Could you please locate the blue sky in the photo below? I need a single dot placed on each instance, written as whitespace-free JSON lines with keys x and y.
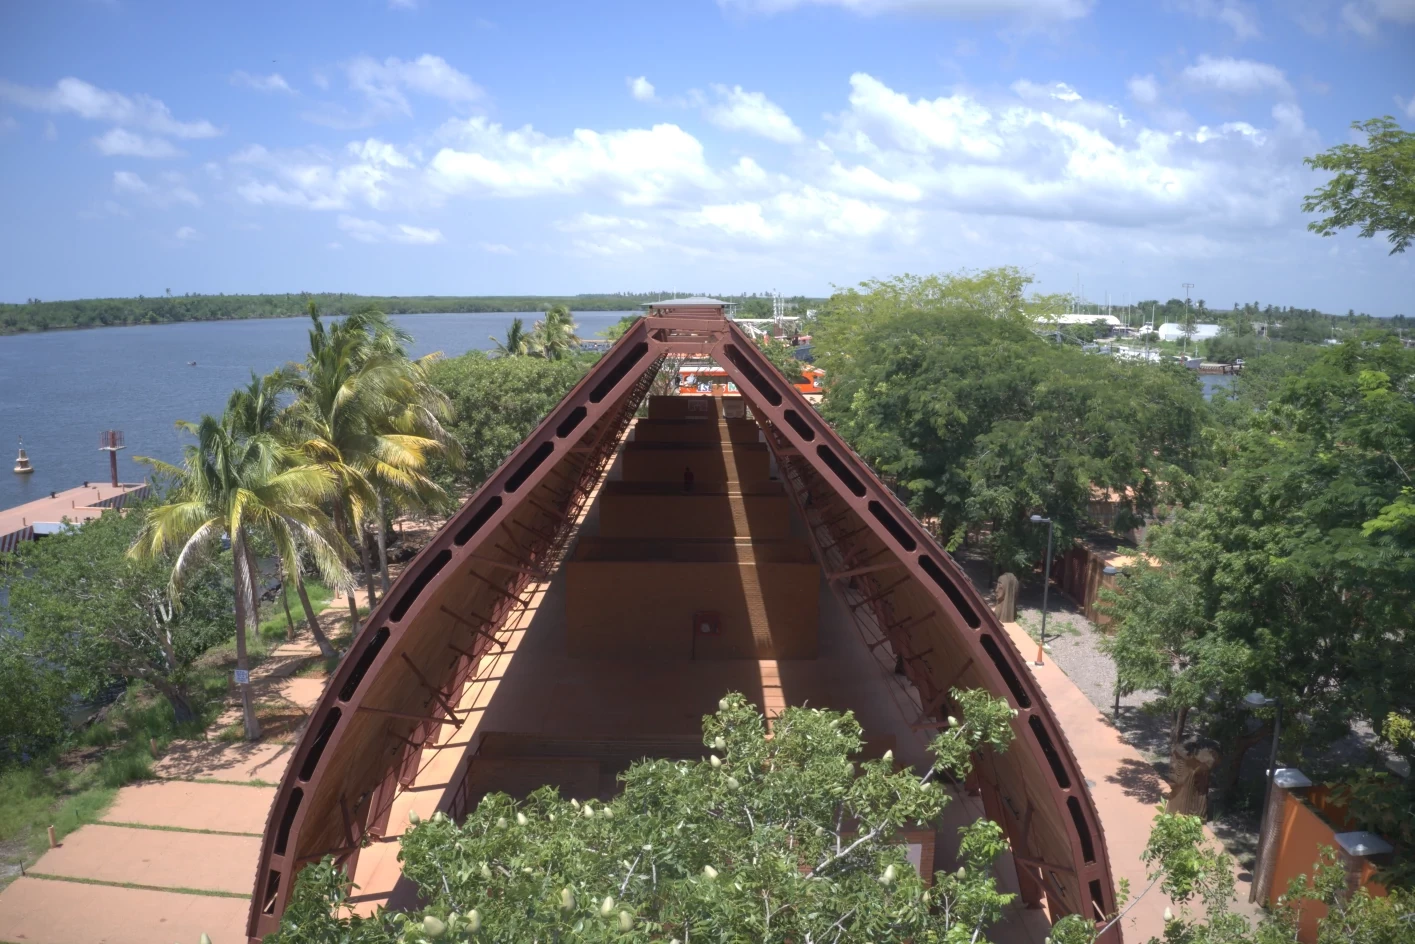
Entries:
{"x":431,"y":146}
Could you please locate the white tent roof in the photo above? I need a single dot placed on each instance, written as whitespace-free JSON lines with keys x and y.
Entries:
{"x":1108,"y":320}
{"x":1170,"y":331}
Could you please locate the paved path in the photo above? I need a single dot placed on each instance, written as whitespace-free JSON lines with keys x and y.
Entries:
{"x":173,"y":858}
{"x":1125,"y":787}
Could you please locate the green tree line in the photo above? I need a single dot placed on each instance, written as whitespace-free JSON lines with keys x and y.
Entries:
{"x":36,"y":315}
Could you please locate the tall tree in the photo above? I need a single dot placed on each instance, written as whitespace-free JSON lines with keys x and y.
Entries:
{"x":553,"y":337}
{"x":517,"y":342}
{"x":496,"y":403}
{"x":369,"y":417}
{"x":257,"y":410}
{"x":229,"y":485}
{"x":1296,"y":564}
{"x":943,"y":384}
{"x":1373,"y":186}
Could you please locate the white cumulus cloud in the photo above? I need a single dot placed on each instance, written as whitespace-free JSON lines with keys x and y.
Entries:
{"x":1143,"y":89}
{"x":1235,"y":76}
{"x":168,"y":190}
{"x":311,"y":179}
{"x":642,"y":89}
{"x":372,"y":231}
{"x":1025,"y":9}
{"x":77,"y":97}
{"x":384,"y":83}
{"x":752,"y":112}
{"x":275,"y":82}
{"x":636,"y":166}
{"x":1238,"y":16}
{"x":119,"y":142}
{"x":1365,"y":16}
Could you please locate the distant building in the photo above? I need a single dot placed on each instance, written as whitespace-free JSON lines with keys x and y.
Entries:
{"x":1169,"y":331}
{"x":1104,"y":324}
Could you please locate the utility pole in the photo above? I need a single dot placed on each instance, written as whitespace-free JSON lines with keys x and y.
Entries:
{"x":1184,"y":349}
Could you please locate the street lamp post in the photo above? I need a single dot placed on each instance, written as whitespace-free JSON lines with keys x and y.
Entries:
{"x":1046,"y":585}
{"x":1254,"y":701}
{"x":1111,"y":570}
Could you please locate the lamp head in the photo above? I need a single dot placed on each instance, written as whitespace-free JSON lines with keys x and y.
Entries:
{"x":1038,"y":519}
{"x":1258,"y":700}
{"x":1110,"y":570}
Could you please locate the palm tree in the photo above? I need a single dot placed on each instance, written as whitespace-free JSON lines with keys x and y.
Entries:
{"x":367,"y":415}
{"x":518,"y":343}
{"x":553,"y":337}
{"x":229,"y":485}
{"x":256,"y":410}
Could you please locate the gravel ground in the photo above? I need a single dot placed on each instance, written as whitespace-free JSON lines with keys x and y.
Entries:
{"x":1073,"y":642}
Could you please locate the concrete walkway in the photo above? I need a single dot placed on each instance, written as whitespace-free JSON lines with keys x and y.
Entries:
{"x":172,"y":858}
{"x":1126,"y":790}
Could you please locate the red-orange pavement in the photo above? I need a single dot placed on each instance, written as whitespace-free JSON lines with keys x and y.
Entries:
{"x":39,"y":911}
{"x":236,"y":762}
{"x":162,"y":858}
{"x":205,"y":786}
{"x":1125,"y":787}
{"x":221,"y":807}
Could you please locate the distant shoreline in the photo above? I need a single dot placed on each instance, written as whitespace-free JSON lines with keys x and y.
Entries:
{"x":79,"y":314}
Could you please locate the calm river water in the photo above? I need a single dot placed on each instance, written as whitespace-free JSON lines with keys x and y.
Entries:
{"x":60,"y":389}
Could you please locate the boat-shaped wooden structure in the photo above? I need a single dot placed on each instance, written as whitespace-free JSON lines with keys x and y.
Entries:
{"x":731,"y":465}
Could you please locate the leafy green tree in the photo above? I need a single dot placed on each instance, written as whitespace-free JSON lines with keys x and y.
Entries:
{"x":496,"y":402}
{"x":257,"y":410}
{"x":780,"y":839}
{"x":36,"y":694}
{"x":780,"y":354}
{"x":369,"y":418}
{"x":1373,"y":186}
{"x":1296,"y":568}
{"x":84,"y":609}
{"x":553,"y":337}
{"x":1160,"y":641}
{"x":616,"y":331}
{"x":517,"y":343}
{"x":770,"y":839}
{"x":943,"y":384}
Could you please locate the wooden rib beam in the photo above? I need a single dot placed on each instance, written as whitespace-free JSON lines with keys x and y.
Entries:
{"x":495,"y":586}
{"x":872,"y":568}
{"x":882,"y":593}
{"x":1043,"y":865}
{"x":515,"y":568}
{"x":525,"y":527}
{"x":454,"y":721}
{"x":434,"y":691}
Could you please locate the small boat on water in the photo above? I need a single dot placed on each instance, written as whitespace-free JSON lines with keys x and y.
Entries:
{"x":191,"y":363}
{"x":22,"y":465}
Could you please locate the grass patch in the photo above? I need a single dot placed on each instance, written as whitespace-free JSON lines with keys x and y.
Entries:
{"x":75,"y":784}
{"x":233,"y":783}
{"x":275,"y":629}
{"x":1056,"y":628}
{"x":176,"y":829}
{"x":207,"y":892}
